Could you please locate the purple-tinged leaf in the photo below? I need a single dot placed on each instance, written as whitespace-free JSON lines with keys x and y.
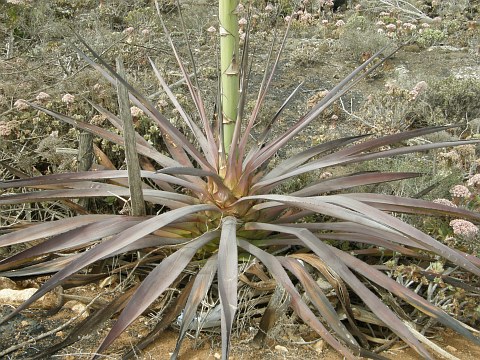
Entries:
{"x":49,"y":228}
{"x":353,"y":180}
{"x":202,"y":284}
{"x":79,"y":236}
{"x":227,"y":279}
{"x":172,"y":136}
{"x":406,"y":294}
{"x":270,"y":149}
{"x":166,"y":198}
{"x":196,"y":131}
{"x":302,"y":310}
{"x":196,"y":96}
{"x":110,"y":246}
{"x":408,"y":230}
{"x":154,"y":285}
{"x":318,"y":299}
{"x":65,"y":178}
{"x":107,"y":135}
{"x":328,"y":256}
{"x":415,"y":206}
{"x":306,"y":155}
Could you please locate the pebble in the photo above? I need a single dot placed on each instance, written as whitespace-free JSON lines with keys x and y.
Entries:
{"x":6,"y":283}
{"x":319,"y":346}
{"x":217,"y":355}
{"x":15,"y":297}
{"x":450,"y":348}
{"x":281,"y":348}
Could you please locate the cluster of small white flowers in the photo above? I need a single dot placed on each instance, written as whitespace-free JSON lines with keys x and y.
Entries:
{"x":145,"y":32}
{"x":269,"y":7}
{"x":212,"y":29}
{"x":451,"y":155}
{"x":418,"y":89}
{"x":42,"y":96}
{"x":444,"y":202}
{"x":391,"y":27}
{"x":21,"y":105}
{"x":326,"y":3}
{"x":98,"y":119}
{"x":128,"y":30}
{"x":474,"y":180}
{"x":460,"y":191}
{"x":136,"y":112}
{"x":305,"y":17}
{"x":409,"y":26}
{"x":68,"y":99}
{"x":464,"y":228}
{"x":340,"y":23}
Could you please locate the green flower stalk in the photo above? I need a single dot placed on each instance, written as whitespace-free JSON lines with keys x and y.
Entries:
{"x":229,"y":58}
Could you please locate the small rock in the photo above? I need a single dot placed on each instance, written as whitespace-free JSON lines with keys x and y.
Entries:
{"x":15,"y":297}
{"x":24,"y":323}
{"x":6,"y":283}
{"x":450,"y":348}
{"x":217,"y":355}
{"x":60,"y":334}
{"x":108,"y":281}
{"x":77,"y":307}
{"x":319,"y":346}
{"x":281,"y":348}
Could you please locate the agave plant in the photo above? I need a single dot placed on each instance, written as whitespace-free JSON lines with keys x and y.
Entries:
{"x":221,"y":208}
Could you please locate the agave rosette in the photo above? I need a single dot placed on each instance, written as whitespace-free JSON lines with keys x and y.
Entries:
{"x":221,"y":207}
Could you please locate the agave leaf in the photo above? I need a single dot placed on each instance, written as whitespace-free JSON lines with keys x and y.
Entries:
{"x":410,"y":149}
{"x":170,"y":314}
{"x":270,"y":149}
{"x":414,"y":234}
{"x":358,"y":229}
{"x":227,"y":280}
{"x":108,"y":247}
{"x":11,"y":268}
{"x":176,"y":140}
{"x":370,"y":240}
{"x":405,"y":294}
{"x":40,"y":268}
{"x":154,"y":285}
{"x":340,"y":289}
{"x":202,"y":284}
{"x":297,"y":303}
{"x":318,"y":298}
{"x":209,"y":150}
{"x":261,"y":96}
{"x":65,"y":178}
{"x":408,"y":205}
{"x":115,"y":121}
{"x":352,"y":210}
{"x":352,"y":180}
{"x":269,"y":125}
{"x":337,"y":159}
{"x":319,"y":205}
{"x":391,"y":139}
{"x":76,"y":237}
{"x":196,"y":96}
{"x":107,"y":135}
{"x":303,"y":156}
{"x":172,"y":200}
{"x":326,"y":254}
{"x":49,"y":228}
